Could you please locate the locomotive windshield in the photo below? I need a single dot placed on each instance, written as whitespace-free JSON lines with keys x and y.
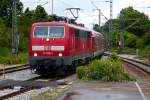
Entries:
{"x":41,"y":31}
{"x":49,"y":31}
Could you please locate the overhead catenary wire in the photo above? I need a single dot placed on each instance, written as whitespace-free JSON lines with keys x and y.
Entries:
{"x":67,"y":4}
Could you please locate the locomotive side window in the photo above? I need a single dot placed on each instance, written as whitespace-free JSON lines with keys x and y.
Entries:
{"x":77,"y":33}
{"x":56,"y":31}
{"x":89,"y":34}
{"x":82,"y":34}
{"x":41,"y":31}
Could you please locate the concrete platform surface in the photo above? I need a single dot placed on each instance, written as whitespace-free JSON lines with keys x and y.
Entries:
{"x":85,"y":94}
{"x":98,"y":92}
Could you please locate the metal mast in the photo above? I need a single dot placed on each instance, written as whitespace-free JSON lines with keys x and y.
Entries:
{"x":110,"y":23}
{"x":99,"y":17}
{"x":111,"y":15}
{"x":99,"y":10}
{"x":15,"y":35}
{"x":52,"y":7}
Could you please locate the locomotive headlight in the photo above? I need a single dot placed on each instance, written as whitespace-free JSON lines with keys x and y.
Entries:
{"x":60,"y":54}
{"x":35,"y":54}
{"x":47,"y":39}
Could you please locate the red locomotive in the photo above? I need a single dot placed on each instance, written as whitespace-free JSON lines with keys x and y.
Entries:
{"x":60,"y":46}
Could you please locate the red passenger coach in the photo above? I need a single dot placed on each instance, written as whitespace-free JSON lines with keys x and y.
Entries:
{"x":58,"y":46}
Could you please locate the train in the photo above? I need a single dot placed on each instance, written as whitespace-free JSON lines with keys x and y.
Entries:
{"x":57,"y":47}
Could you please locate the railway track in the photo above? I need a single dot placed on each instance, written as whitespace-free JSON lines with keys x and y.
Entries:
{"x":145,"y":67}
{"x":17,"y":92}
{"x":16,"y":88}
{"x":138,"y":64}
{"x":13,"y":69}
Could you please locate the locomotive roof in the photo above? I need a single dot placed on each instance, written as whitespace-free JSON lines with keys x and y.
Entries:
{"x":94,"y":33}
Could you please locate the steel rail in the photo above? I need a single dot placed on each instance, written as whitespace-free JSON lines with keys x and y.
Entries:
{"x":22,"y":90}
{"x":135,"y":63}
{"x":13,"y":69}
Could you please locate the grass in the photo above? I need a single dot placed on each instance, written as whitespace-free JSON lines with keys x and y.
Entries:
{"x":108,"y":70}
{"x":142,"y":57}
{"x":51,"y":94}
{"x":11,"y":59}
{"x":7,"y":58}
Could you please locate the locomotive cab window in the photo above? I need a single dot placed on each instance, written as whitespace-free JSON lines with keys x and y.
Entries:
{"x":49,"y":31}
{"x":41,"y":31}
{"x":56,"y":31}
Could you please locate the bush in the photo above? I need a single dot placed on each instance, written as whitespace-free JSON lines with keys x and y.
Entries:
{"x":4,"y":51}
{"x":82,"y":72}
{"x":104,"y":70}
{"x":114,"y":57}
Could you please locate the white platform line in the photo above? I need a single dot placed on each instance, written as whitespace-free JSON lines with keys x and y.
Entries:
{"x":140,"y":90}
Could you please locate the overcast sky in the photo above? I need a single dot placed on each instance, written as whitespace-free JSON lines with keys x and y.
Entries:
{"x":87,"y":15}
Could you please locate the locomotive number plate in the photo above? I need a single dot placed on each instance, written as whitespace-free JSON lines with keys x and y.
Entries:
{"x":47,"y":47}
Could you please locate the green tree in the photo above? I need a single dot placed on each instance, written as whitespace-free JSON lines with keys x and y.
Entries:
{"x":134,"y":21}
{"x":6,"y":10}
{"x":146,"y":39}
{"x":140,"y":43}
{"x":130,"y":39}
{"x":134,"y":24}
{"x":4,"y":35}
{"x":96,"y":28}
{"x":40,"y":14}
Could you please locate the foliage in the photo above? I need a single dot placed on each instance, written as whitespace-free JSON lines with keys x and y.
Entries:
{"x":129,"y":16}
{"x":4,"y":51}
{"x":129,"y":50}
{"x":96,"y":27}
{"x":146,"y":38}
{"x":6,"y":10}
{"x":114,"y":57}
{"x":4,"y":35}
{"x":115,"y":38}
{"x":146,"y":51}
{"x":104,"y":70}
{"x":10,"y":59}
{"x":135,"y":27}
{"x":82,"y":72}
{"x":139,"y":43}
{"x":40,"y":14}
{"x":130,"y":39}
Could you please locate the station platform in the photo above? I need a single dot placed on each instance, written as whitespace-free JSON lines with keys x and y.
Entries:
{"x":107,"y":91}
